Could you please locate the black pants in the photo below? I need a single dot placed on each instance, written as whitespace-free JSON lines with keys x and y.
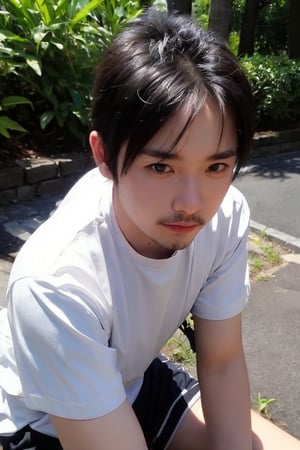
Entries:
{"x":29,"y":439}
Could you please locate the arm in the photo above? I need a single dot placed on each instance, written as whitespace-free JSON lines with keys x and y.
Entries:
{"x":223,"y":381}
{"x":116,"y":430}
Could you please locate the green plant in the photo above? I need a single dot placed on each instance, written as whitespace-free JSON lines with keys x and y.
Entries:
{"x":262,"y":260}
{"x":201,"y":11}
{"x":179,"y":351}
{"x":255,"y":263}
{"x":48,"y":53}
{"x":272,"y":27}
{"x":42,"y":47}
{"x":6,"y":123}
{"x":276,"y":85}
{"x":263,"y":404}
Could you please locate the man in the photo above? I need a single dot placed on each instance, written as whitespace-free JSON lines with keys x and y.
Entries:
{"x":155,"y":232}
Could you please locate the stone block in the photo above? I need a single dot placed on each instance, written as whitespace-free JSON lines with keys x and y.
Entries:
{"x":8,"y":196}
{"x":290,"y":146}
{"x":51,"y":187}
{"x":26,"y":192}
{"x":11,"y":177}
{"x":70,"y":164}
{"x":39,"y":170}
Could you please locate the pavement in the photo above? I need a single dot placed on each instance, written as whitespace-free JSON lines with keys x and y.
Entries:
{"x":271,"y":319}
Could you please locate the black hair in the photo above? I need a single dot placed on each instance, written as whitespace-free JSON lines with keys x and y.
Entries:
{"x":157,"y":65}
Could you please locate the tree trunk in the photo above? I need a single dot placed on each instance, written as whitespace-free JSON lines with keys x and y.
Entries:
{"x":294,"y":29}
{"x":181,"y":6}
{"x":220,"y":17}
{"x":247,"y":36}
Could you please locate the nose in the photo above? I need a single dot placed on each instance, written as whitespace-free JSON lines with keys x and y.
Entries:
{"x":188,"y":198}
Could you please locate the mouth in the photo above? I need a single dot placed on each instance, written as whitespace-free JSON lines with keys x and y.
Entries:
{"x":181,"y":228}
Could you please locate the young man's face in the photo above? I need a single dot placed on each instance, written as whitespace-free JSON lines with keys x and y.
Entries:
{"x":166,"y":198}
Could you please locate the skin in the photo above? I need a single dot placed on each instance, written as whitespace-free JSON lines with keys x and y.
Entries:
{"x":182,"y":189}
{"x":161,"y":203}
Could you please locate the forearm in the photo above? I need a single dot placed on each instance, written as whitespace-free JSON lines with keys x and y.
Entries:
{"x":118,"y":429}
{"x":226,"y":406}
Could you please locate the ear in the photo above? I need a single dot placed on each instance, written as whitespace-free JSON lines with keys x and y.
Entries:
{"x":96,"y":144}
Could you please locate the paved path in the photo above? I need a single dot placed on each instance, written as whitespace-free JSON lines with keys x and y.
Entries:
{"x":272,"y":186}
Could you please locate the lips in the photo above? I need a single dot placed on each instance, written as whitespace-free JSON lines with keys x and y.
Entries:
{"x":181,"y":227}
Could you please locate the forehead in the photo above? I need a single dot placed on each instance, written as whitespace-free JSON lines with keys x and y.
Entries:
{"x":209,"y":129}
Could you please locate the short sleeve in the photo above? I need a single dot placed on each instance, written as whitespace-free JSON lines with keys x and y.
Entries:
{"x":65,"y":364}
{"x":227,"y":287}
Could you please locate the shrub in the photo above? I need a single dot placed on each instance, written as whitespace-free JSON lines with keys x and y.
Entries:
{"x":6,"y":123}
{"x":48,"y":53}
{"x":276,"y":85}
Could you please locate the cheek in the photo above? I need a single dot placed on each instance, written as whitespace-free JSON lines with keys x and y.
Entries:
{"x":140,"y":196}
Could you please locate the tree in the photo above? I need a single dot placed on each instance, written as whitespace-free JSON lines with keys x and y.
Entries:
{"x":247,"y":36}
{"x":294,"y":29}
{"x":181,"y":6}
{"x":220,"y":17}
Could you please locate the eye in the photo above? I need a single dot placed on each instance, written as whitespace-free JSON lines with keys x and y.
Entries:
{"x":160,"y":168}
{"x":217,"y":167}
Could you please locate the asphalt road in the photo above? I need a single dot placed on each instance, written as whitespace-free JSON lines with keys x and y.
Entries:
{"x":271,"y":186}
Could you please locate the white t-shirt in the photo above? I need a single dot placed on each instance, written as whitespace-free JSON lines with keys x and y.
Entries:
{"x":88,"y":314}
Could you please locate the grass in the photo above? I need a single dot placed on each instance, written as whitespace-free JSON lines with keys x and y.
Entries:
{"x":263,"y":404}
{"x":265,"y":258}
{"x":179,"y":351}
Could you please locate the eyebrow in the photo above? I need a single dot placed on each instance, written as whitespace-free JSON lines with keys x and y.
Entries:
{"x":168,"y":155}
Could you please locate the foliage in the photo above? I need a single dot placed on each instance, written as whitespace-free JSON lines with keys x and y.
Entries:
{"x":276,"y":86}
{"x":48,"y":53}
{"x":272,"y":28}
{"x":6,"y":123}
{"x":263,"y":404}
{"x":201,"y":11}
{"x":179,"y":351}
{"x":237,"y":14}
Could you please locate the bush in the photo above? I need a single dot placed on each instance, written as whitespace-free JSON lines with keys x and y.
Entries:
{"x":48,"y":54}
{"x":271,"y":34}
{"x":276,"y":85}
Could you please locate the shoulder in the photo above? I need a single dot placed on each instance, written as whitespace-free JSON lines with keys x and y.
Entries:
{"x":233,"y":215}
{"x":226,"y":230}
{"x":79,"y":212}
{"x":234,"y":201}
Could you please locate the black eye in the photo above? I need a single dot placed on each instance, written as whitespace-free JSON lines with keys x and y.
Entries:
{"x":160,"y":168}
{"x":217,"y":167}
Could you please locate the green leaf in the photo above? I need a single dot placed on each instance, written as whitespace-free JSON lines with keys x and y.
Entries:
{"x":8,"y":35}
{"x":35,"y":65}
{"x":46,"y":10}
{"x":4,"y":131}
{"x":62,"y":8}
{"x":14,"y":100}
{"x":76,"y":97}
{"x":39,"y":35}
{"x":10,"y":124}
{"x":93,"y":4}
{"x":46,"y":118}
{"x":58,"y":45}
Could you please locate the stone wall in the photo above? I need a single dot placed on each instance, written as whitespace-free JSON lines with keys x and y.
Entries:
{"x":276,"y":142}
{"x":41,"y":177}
